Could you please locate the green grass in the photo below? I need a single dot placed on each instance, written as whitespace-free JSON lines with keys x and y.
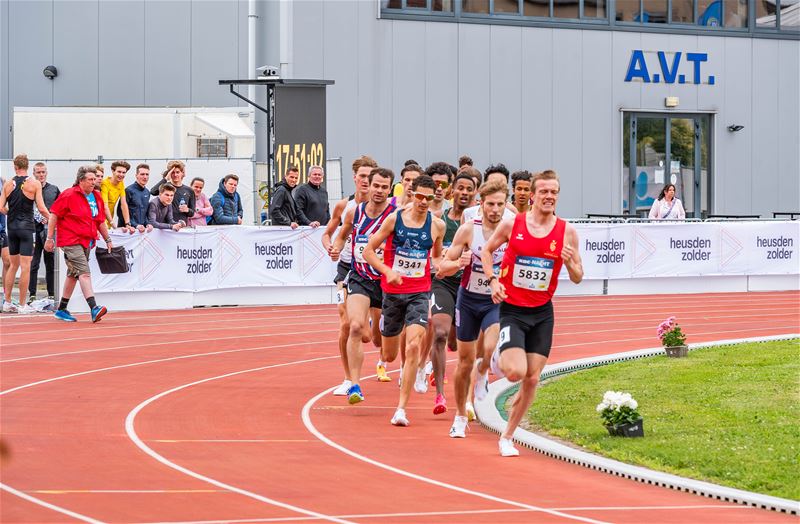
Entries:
{"x":728,"y":415}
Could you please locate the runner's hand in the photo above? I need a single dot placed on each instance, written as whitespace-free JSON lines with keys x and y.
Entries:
{"x":465,"y":259}
{"x":498,"y":291}
{"x":334,"y":254}
{"x":567,"y":253}
{"x":394,"y":278}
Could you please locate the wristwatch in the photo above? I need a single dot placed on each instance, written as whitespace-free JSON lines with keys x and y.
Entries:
{"x":107,"y":240}
{"x":493,"y":277}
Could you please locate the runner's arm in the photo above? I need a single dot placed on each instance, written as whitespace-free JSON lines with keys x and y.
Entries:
{"x":3,"y":198}
{"x":438,"y":237}
{"x":40,"y":201}
{"x":571,"y":255}
{"x":498,"y":238}
{"x":344,"y":231}
{"x":333,"y":223}
{"x":453,"y":259}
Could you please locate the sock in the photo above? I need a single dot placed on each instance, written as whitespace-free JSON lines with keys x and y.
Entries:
{"x":62,"y":306}
{"x":381,"y":363}
{"x":91,"y":302}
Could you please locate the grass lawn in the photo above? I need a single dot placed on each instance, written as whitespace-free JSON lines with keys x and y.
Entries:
{"x":728,"y":415}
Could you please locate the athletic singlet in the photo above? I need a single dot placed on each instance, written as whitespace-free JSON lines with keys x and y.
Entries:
{"x":346,"y":255}
{"x":364,"y":227}
{"x":531,"y":264}
{"x":20,"y":207}
{"x":474,"y":279}
{"x":451,"y":226}
{"x":408,"y":253}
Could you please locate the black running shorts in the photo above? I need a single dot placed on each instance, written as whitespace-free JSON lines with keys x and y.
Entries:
{"x":443,"y":298}
{"x":21,"y":242}
{"x":402,"y":310}
{"x":358,"y":285}
{"x":529,"y":328}
{"x":342,"y":268}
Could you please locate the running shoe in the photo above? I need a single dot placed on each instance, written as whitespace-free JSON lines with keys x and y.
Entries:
{"x":27,"y":309}
{"x":381,"y":372}
{"x":421,"y":384}
{"x":494,"y":364}
{"x":507,"y":448}
{"x":470,"y":412}
{"x":399,"y":418}
{"x":481,"y":386}
{"x":354,"y":394}
{"x":341,"y":391}
{"x":9,"y":307}
{"x":459,"y":427}
{"x":63,"y":314}
{"x":98,"y":312}
{"x":31,"y":299}
{"x":440,"y":406}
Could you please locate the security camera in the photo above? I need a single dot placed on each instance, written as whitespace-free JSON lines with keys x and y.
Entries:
{"x":267,"y":71}
{"x":50,"y":72}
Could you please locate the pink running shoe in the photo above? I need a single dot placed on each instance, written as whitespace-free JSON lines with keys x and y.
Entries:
{"x":440,"y":406}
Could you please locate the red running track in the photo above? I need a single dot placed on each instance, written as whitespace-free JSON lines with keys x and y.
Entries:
{"x":222,"y":415}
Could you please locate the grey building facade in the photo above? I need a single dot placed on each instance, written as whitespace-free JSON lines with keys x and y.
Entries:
{"x":429,"y":81}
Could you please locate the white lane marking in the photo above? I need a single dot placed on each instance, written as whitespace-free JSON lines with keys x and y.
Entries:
{"x":47,"y":505}
{"x":122,"y":366}
{"x":164,"y":343}
{"x":116,"y":332}
{"x":306,"y":417}
{"x":181,"y":441}
{"x":114,"y":491}
{"x":130,"y":429}
{"x":454,"y":512}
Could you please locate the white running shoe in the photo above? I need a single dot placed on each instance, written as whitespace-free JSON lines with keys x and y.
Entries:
{"x":399,"y":418}
{"x":507,"y":448}
{"x":9,"y":307}
{"x":27,"y":309}
{"x":421,"y":384}
{"x":470,"y":412}
{"x":459,"y":427}
{"x":494,"y":364}
{"x":341,"y":391}
{"x":429,"y":368}
{"x":482,"y":386}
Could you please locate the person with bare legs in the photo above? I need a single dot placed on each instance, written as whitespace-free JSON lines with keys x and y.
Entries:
{"x":411,"y":235}
{"x":362,"y":167}
{"x":538,"y":245}
{"x":77,"y":216}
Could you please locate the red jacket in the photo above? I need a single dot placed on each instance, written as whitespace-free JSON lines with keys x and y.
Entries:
{"x":75,"y":224}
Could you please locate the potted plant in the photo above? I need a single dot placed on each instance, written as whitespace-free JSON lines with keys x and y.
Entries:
{"x":672,"y":338}
{"x":620,"y":416}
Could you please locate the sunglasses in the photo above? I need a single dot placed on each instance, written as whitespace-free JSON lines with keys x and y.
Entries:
{"x":444,"y":184}
{"x":421,"y":196}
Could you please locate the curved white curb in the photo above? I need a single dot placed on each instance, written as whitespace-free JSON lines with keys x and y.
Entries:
{"x":490,"y":417}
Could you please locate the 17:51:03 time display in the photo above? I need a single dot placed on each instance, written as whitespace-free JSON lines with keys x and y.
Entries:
{"x":301,"y":155}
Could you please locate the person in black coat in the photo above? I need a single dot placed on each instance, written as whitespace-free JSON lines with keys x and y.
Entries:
{"x":311,"y":200}
{"x":282,"y":210}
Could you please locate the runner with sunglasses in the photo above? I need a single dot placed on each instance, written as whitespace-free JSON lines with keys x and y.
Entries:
{"x":412,"y":236}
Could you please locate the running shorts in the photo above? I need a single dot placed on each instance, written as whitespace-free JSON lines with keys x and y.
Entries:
{"x":342,"y":269}
{"x":529,"y":328}
{"x":21,"y":242}
{"x":358,"y":285}
{"x":443,"y":298}
{"x":474,"y":313}
{"x":405,"y":309}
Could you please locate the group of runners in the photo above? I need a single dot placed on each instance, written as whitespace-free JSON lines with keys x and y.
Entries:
{"x":417,"y":270}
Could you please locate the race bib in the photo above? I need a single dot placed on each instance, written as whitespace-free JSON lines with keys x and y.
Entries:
{"x":478,"y":283}
{"x":533,"y":273}
{"x":348,"y":244}
{"x":410,"y":262}
{"x":360,"y":245}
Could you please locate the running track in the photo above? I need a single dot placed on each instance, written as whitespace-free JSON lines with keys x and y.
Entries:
{"x":222,"y":415}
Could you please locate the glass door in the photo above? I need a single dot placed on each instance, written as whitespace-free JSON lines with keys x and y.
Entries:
{"x":662,"y":149}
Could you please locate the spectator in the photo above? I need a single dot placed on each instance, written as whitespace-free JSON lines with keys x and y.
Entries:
{"x":22,"y":194}
{"x":160,"y":210}
{"x":184,"y":201}
{"x":226,"y":202}
{"x":667,"y":206}
{"x":282,"y":210}
{"x":98,"y":179}
{"x":50,"y":193}
{"x":202,"y":206}
{"x":112,"y":190}
{"x":311,"y":200}
{"x":78,"y":215}
{"x":138,"y":197}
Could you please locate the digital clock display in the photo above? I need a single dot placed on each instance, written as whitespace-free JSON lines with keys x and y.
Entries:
{"x":299,"y":129}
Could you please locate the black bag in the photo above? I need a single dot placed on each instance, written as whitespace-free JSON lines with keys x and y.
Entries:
{"x":114,"y":262}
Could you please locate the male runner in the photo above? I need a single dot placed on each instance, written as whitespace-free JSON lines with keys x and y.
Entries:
{"x":411,"y":236}
{"x":409,"y":173}
{"x":21,"y":193}
{"x":476,"y":313}
{"x":539,"y":243}
{"x":361,"y":169}
{"x":521,"y":185}
{"x":364,"y":295}
{"x":445,"y":289}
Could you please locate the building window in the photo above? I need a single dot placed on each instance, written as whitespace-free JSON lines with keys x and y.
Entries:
{"x":212,"y":147}
{"x":689,"y":16}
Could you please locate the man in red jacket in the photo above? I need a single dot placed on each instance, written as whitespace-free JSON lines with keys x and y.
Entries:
{"x":78,"y":214}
